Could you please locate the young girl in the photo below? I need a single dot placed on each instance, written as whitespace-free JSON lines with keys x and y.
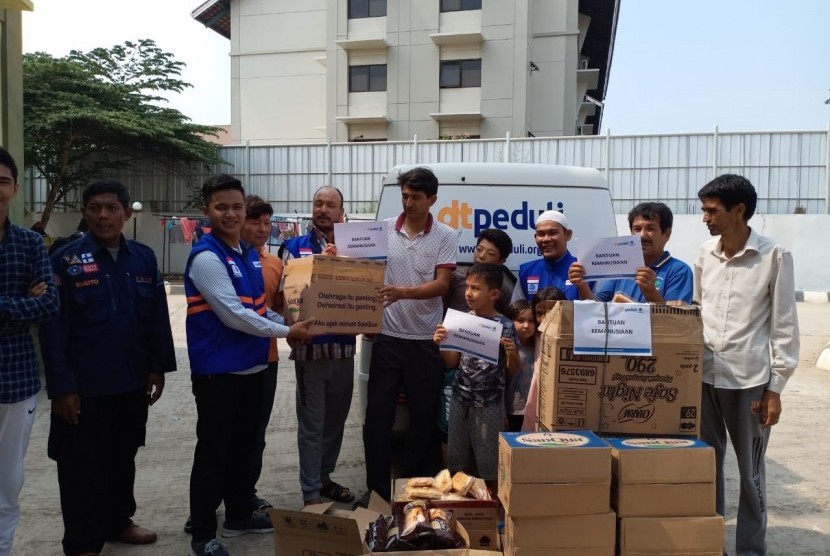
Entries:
{"x":518,"y":385}
{"x":543,"y":301}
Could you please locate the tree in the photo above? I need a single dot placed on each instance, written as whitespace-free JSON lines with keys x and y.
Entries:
{"x":93,"y":112}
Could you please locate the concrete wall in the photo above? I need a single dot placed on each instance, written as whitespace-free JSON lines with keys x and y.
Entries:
{"x":803,"y":234}
{"x":11,"y":99}
{"x":278,"y":72}
{"x":289,"y":78}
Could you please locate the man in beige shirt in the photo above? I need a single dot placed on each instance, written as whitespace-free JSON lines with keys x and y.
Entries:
{"x":745,"y":286}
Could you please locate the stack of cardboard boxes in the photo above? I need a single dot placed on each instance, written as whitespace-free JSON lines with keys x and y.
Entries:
{"x":663,"y":491}
{"x":555,"y":489}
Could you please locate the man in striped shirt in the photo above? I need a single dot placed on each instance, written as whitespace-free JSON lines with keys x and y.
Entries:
{"x":422,"y":255}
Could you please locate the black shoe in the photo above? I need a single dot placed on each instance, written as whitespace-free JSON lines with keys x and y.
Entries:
{"x":363,"y":501}
{"x":258,"y":522}
{"x":262,"y":504}
{"x":213,"y":547}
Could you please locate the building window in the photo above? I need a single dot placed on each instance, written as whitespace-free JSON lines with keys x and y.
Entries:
{"x":363,"y":79}
{"x":460,"y":5}
{"x":460,"y":73}
{"x":367,"y":8}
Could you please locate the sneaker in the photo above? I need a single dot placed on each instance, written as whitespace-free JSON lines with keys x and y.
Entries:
{"x":262,"y":504}
{"x":213,"y":547}
{"x":259,"y":522}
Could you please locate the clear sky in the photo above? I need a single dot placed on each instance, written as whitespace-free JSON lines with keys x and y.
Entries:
{"x":679,"y":65}
{"x":58,"y":26}
{"x":743,"y":65}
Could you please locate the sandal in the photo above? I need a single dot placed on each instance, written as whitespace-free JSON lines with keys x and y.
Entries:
{"x":336,"y":492}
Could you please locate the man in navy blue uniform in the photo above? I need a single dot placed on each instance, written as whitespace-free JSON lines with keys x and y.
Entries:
{"x":663,"y":278}
{"x":553,"y":232}
{"x":105,"y":356}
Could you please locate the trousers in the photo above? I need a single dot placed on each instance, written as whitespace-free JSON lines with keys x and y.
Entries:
{"x":730,"y":411}
{"x":324,"y":395}
{"x":96,"y":468}
{"x":16,"y":421}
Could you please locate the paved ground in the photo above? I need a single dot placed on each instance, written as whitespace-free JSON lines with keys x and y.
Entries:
{"x":799,"y":494}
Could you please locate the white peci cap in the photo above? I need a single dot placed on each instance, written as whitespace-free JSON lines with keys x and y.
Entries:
{"x":554,"y":216}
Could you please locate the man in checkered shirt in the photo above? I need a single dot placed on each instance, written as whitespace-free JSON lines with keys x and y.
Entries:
{"x":422,"y":255}
{"x":27,"y":296}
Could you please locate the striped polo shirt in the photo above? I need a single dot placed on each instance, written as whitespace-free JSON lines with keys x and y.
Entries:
{"x":413,"y":261}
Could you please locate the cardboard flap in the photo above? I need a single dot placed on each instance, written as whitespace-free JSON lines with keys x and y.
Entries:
{"x":308,"y":524}
{"x":318,"y":508}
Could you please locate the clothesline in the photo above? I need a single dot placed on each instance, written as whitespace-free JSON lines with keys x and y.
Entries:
{"x":183,"y":229}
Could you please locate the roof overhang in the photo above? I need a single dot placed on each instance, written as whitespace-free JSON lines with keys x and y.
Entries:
{"x":215,"y":15}
{"x":456,"y":116}
{"x":17,"y":5}
{"x":367,"y":119}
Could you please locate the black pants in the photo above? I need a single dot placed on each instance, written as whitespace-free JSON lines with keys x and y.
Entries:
{"x":269,"y":391}
{"x":96,"y":468}
{"x":229,"y":409}
{"x":417,"y":366}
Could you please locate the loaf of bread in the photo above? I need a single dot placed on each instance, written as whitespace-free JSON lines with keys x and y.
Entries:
{"x":419,"y":482}
{"x":461,"y":483}
{"x":443,"y":481}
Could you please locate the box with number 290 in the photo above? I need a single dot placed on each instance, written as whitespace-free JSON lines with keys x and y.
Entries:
{"x":654,"y":395}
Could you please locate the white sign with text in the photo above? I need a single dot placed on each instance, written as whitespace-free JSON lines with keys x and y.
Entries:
{"x":476,"y":336}
{"x":608,"y":257}
{"x":364,"y":240}
{"x":612,"y":328}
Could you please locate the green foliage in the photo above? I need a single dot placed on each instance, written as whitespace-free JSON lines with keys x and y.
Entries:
{"x":88,"y":114}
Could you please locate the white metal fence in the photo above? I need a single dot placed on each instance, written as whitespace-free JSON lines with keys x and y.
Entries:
{"x":790,"y":170}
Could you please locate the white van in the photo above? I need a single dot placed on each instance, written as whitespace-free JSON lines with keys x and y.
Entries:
{"x":476,"y":196}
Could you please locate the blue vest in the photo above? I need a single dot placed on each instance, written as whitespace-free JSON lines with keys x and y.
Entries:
{"x":540,"y":273}
{"x":212,"y":347}
{"x":304,"y":246}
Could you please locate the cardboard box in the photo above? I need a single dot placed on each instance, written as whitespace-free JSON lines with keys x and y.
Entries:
{"x":664,"y":500}
{"x":657,"y":395}
{"x":582,"y":531}
{"x":476,"y":515}
{"x":553,"y":457}
{"x":661,"y":460}
{"x":339,"y":292}
{"x":323,"y":530}
{"x":510,"y":550}
{"x":535,"y":499}
{"x":488,"y":540}
{"x":671,"y":535}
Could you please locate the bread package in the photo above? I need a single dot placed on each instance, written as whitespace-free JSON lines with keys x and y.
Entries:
{"x":443,"y":481}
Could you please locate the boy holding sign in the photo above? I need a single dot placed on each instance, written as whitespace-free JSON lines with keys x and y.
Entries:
{"x":477,"y":406}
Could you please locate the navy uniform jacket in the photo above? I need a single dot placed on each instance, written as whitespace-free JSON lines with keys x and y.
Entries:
{"x":113,"y":328}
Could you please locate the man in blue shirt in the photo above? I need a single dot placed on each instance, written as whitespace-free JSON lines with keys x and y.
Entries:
{"x":27,"y":297}
{"x":662,"y":279}
{"x":105,"y":356}
{"x":552,"y":236}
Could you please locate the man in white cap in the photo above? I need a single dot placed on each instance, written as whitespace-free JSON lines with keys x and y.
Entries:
{"x":552,"y":236}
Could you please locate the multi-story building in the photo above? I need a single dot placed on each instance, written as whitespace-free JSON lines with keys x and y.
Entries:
{"x":353,"y":70}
